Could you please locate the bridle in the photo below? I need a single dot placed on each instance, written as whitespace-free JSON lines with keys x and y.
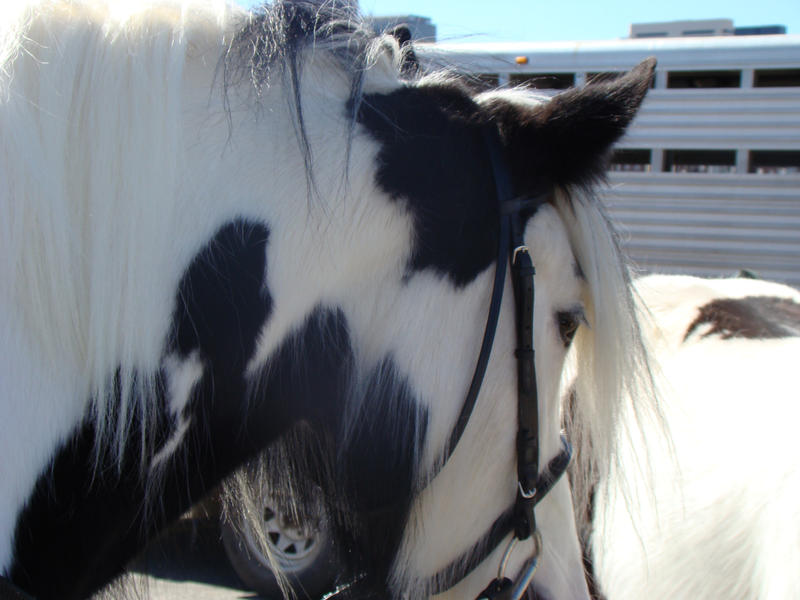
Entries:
{"x":532,"y":485}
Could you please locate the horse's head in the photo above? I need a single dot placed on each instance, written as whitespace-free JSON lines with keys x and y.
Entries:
{"x":243,"y":228}
{"x":399,"y":274}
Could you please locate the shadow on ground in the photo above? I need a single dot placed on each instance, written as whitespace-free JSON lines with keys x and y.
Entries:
{"x":190,"y":551}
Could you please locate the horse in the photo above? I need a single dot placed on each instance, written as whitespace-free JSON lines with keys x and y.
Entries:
{"x":226,"y":229}
{"x":713,"y":514}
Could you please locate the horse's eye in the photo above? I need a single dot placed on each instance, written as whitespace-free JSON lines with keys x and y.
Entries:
{"x":568,"y":323}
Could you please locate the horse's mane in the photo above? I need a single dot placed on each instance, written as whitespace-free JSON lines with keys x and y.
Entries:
{"x":88,"y":90}
{"x":276,"y":36}
{"x":608,"y":370}
{"x":86,"y":99}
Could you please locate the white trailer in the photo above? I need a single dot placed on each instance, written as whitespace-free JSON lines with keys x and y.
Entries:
{"x":707,"y":181}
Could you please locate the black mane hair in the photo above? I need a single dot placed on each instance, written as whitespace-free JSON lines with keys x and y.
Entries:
{"x":278,"y":32}
{"x":271,"y":42}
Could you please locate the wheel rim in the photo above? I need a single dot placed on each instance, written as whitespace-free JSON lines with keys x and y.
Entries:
{"x":290,"y":545}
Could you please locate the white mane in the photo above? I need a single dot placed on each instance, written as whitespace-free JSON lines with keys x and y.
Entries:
{"x":608,"y":367}
{"x":99,"y":184}
{"x":95,"y":202}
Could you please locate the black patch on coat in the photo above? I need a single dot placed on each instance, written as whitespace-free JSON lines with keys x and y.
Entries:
{"x":82,"y":527}
{"x":753,"y":317}
{"x":222,"y":302}
{"x":376,"y":471}
{"x":84,"y":522}
{"x":433,"y":160}
{"x":360,"y":455}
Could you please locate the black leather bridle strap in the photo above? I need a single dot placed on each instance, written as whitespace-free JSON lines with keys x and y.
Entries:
{"x":522,"y":272}
{"x":462,"y":565}
{"x":506,"y":209}
{"x":486,"y":347}
{"x":467,"y":562}
{"x":533,"y":486}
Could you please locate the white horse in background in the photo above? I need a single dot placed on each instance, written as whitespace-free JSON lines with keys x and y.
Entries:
{"x":220,"y":230}
{"x":714,"y":513}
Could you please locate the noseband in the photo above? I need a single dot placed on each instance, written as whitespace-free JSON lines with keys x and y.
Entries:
{"x":532,"y":485}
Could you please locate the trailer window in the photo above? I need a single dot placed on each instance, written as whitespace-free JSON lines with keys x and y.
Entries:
{"x":779,"y":162}
{"x":631,"y":159}
{"x":607,"y":76}
{"x":700,"y":161}
{"x":776,"y":78}
{"x":543,"y":81}
{"x":704,"y":79}
{"x":603,"y":77}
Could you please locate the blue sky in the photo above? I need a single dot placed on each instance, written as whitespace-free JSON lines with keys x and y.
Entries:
{"x":543,"y":20}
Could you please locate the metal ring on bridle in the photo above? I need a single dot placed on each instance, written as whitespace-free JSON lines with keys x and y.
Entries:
{"x":537,"y":549}
{"x":526,"y":494}
{"x":528,"y":569}
{"x":501,"y":571}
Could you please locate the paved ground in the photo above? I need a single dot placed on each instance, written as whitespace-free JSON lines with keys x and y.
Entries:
{"x":187,"y":564}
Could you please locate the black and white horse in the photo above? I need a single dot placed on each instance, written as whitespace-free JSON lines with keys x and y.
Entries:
{"x":223,"y":229}
{"x":713,"y":514}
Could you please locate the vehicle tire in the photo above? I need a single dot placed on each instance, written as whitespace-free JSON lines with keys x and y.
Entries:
{"x":305,"y":556}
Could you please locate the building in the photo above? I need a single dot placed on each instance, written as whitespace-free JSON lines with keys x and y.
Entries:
{"x":700,"y":28}
{"x":705,"y":28}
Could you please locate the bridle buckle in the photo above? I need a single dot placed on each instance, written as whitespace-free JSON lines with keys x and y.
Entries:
{"x":519,"y":250}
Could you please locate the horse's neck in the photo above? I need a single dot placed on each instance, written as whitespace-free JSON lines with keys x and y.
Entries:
{"x":89,"y":133}
{"x":138,"y":163}
{"x":96,"y":186}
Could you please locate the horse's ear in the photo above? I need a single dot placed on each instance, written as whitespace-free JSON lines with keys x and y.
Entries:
{"x":567,"y":140}
{"x":409,"y":63}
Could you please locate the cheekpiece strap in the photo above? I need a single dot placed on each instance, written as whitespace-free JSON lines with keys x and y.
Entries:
{"x":513,"y":214}
{"x":522,"y":273}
